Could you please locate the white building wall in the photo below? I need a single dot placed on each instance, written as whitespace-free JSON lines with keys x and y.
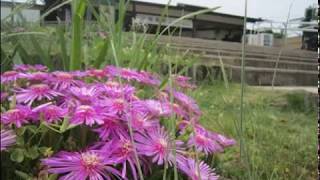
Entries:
{"x":30,"y":15}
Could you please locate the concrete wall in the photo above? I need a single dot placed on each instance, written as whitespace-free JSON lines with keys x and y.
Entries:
{"x":294,"y":42}
{"x":31,"y":15}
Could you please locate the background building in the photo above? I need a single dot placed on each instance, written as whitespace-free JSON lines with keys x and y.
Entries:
{"x":212,"y":25}
{"x":29,"y":12}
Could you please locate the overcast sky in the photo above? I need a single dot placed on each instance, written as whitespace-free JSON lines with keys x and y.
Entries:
{"x":267,"y":9}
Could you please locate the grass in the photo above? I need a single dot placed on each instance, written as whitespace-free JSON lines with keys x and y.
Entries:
{"x":280,"y":140}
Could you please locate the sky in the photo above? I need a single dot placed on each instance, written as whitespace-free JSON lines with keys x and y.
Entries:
{"x":266,"y":9}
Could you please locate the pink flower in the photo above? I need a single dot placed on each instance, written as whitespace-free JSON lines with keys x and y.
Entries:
{"x":10,"y":76}
{"x":8,"y":138}
{"x":187,"y":102}
{"x":190,"y":168}
{"x":21,"y":67}
{"x":85,"y":95}
{"x":97,"y":73}
{"x":112,"y":71}
{"x":50,"y":113}
{"x":63,"y":80}
{"x":27,"y":67}
{"x":224,"y":141}
{"x":18,"y":116}
{"x":140,"y":121}
{"x":111,"y":128}
{"x":36,"y":92}
{"x":203,"y":142}
{"x":117,"y":106}
{"x":129,"y":74}
{"x":155,"y":143}
{"x":79,"y":74}
{"x":40,"y":67}
{"x":149,"y":79}
{"x":37,"y":76}
{"x":122,"y":150}
{"x":87,"y":115}
{"x":115,"y":90}
{"x":153,"y":108}
{"x":92,"y":165}
{"x":183,"y":82}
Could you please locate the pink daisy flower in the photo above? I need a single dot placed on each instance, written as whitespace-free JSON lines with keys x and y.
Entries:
{"x":18,"y":116}
{"x":155,"y":143}
{"x":149,"y":79}
{"x":115,"y":90}
{"x":187,"y":102}
{"x":203,"y":142}
{"x":122,"y":150}
{"x":189,"y":167}
{"x":87,"y":115}
{"x":129,"y":74}
{"x":97,"y":73}
{"x":63,"y":80}
{"x":92,"y":165}
{"x":50,"y":113}
{"x":183,"y":82}
{"x":85,"y":95}
{"x":112,"y":127}
{"x":152,"y":107}
{"x":224,"y":141}
{"x":39,"y":67}
{"x":10,"y":76}
{"x":37,"y":76}
{"x":112,"y":71}
{"x":140,"y":121}
{"x":8,"y":138}
{"x":36,"y":92}
{"x":21,"y":67}
{"x":79,"y":74}
{"x":117,"y":106}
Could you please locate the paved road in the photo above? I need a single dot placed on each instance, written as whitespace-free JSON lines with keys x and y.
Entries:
{"x":310,"y":89}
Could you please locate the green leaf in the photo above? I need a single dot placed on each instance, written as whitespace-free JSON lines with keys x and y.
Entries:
{"x":63,"y":47}
{"x":32,"y":128}
{"x":17,"y":59}
{"x":20,"y":141}
{"x":23,"y":175}
{"x":21,"y":131}
{"x":77,"y":25}
{"x":32,"y":152}
{"x":64,"y":125}
{"x":17,"y":155}
{"x":53,"y":177}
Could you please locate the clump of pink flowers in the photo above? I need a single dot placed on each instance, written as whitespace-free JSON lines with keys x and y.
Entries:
{"x":129,"y":128}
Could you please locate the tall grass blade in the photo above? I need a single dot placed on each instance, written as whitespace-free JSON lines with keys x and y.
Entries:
{"x":78,"y":8}
{"x":63,"y":48}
